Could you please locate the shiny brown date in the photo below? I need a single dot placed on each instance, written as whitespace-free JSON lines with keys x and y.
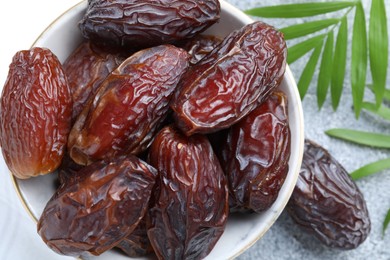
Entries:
{"x":129,"y":106}
{"x":189,"y":208}
{"x":256,"y":154}
{"x":35,"y":114}
{"x":103,"y":207}
{"x":137,"y":244}
{"x":231,"y":81}
{"x":199,"y":46}
{"x":327,"y":202}
{"x":147,"y":23}
{"x":86,"y":68}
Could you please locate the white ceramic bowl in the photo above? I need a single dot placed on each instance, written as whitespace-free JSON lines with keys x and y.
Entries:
{"x":242,"y":231}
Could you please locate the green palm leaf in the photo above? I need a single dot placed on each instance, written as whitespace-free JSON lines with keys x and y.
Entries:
{"x":378,"y":47}
{"x":339,"y":63}
{"x":325,"y":70}
{"x":370,"y":169}
{"x":382,"y":111}
{"x":303,"y":29}
{"x":386,"y":222}
{"x":361,"y":137}
{"x":297,"y":51}
{"x":359,"y":58}
{"x":308,"y":71}
{"x":299,"y":10}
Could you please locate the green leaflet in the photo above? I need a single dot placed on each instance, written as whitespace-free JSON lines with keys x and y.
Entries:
{"x":358,"y":58}
{"x":303,"y":29}
{"x":386,"y":222}
{"x":299,"y":10}
{"x":361,"y":137}
{"x":378,"y":47}
{"x":339,"y":63}
{"x":370,"y":169}
{"x":382,"y":111}
{"x":386,"y":94}
{"x":325,"y":70}
{"x":297,"y":51}
{"x":308,"y":71}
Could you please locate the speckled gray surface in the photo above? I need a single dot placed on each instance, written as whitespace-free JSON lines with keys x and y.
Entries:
{"x":285,"y":240}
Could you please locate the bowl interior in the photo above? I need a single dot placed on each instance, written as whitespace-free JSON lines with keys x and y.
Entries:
{"x":63,"y":36}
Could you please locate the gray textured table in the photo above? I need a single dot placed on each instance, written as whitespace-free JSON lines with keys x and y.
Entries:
{"x":285,"y":240}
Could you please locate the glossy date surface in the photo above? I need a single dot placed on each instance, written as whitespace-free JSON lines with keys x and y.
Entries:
{"x":143,"y":24}
{"x":104,"y":205}
{"x":86,"y":68}
{"x":137,"y":244}
{"x":200,"y":46}
{"x":256,"y":154}
{"x":35,"y":114}
{"x":129,"y":106}
{"x":231,"y":81}
{"x":327,"y":202}
{"x":189,"y":206}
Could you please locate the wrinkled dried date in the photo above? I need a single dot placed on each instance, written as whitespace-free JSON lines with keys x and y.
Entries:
{"x":95,"y":213}
{"x":256,"y":153}
{"x":137,"y":244}
{"x":327,"y":202}
{"x":189,"y":208}
{"x":199,"y":46}
{"x":231,"y":81}
{"x":147,"y":23}
{"x":86,"y":68}
{"x":35,"y":116}
{"x":129,"y":106}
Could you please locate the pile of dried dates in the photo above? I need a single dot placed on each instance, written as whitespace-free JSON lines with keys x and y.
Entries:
{"x":156,"y":131}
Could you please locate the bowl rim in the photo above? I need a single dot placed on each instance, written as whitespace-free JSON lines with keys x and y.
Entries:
{"x":287,"y":76}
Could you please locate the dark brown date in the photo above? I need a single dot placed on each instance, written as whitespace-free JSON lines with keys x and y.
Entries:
{"x":129,"y":106}
{"x":256,"y":154}
{"x":35,"y":113}
{"x":103,"y":207}
{"x":86,"y":68}
{"x":199,"y":46}
{"x":231,"y":81}
{"x":147,"y":23}
{"x":189,"y":208}
{"x":137,"y":244}
{"x":327,"y":202}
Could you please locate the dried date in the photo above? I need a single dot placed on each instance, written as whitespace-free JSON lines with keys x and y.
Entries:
{"x":256,"y":154}
{"x":86,"y":68}
{"x":199,"y":46}
{"x":327,"y":202}
{"x":103,"y":207}
{"x":129,"y":106}
{"x":147,"y":23}
{"x":231,"y":81}
{"x":189,"y":206}
{"x":137,"y":244}
{"x":35,"y":116}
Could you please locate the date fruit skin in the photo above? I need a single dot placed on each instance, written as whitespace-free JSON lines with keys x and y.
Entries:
{"x":137,"y":244}
{"x":231,"y":81}
{"x":86,"y":68}
{"x":93,"y":214}
{"x":189,"y":206}
{"x":141,"y":24}
{"x":326,"y":201}
{"x":200,"y":46}
{"x":129,"y":106}
{"x":256,"y":153}
{"x":35,"y":116}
